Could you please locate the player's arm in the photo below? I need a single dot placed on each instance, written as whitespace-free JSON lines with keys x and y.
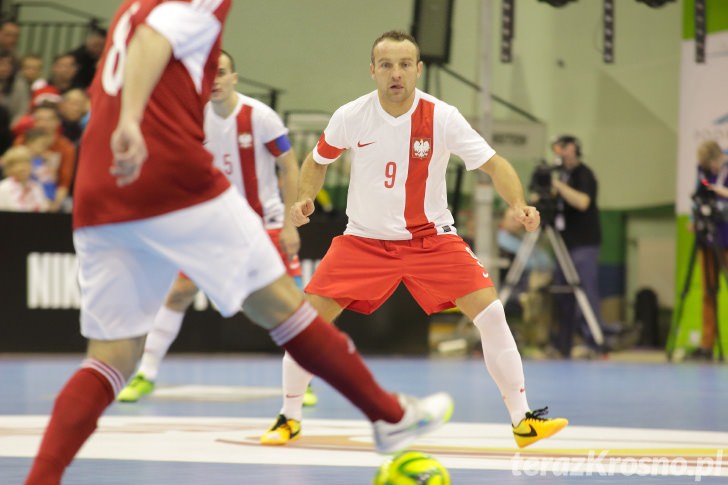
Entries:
{"x":288,"y":177}
{"x":147,"y":56}
{"x":508,"y":185}
{"x":311,"y":181}
{"x":575,"y":198}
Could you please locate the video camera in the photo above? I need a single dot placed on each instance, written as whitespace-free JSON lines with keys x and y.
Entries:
{"x":541,"y":186}
{"x":708,"y":210}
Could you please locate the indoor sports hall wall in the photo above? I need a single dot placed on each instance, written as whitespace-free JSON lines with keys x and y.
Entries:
{"x":317,"y":51}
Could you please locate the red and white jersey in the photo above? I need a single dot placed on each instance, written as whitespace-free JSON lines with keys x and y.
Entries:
{"x":245,"y":146}
{"x":397,"y":188}
{"x":178,"y":171}
{"x":27,"y":197}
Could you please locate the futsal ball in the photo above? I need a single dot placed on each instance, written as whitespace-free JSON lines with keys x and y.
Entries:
{"x":412,"y":468}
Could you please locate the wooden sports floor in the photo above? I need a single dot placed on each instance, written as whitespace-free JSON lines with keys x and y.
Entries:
{"x":630,"y":423}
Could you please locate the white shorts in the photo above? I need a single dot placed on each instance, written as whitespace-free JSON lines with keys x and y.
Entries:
{"x":126,"y":269}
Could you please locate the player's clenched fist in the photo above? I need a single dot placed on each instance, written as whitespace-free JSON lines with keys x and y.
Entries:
{"x":300,"y":212}
{"x":529,"y":216}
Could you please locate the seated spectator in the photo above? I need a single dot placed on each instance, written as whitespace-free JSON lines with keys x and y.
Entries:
{"x":14,"y":91}
{"x":60,"y":156}
{"x":31,"y":69}
{"x":18,"y":191}
{"x":9,"y":36}
{"x":43,"y":170}
{"x":74,"y":110}
{"x":63,"y":70}
{"x":88,"y":55}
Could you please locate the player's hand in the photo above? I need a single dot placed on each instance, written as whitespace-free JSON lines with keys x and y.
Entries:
{"x":528,"y":216}
{"x":130,"y":152}
{"x":300,"y":212}
{"x":290,"y":240}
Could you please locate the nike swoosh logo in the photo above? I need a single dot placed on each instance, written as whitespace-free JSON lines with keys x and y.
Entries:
{"x":360,"y":144}
{"x":419,"y":424}
{"x":291,"y":396}
{"x":527,"y":435}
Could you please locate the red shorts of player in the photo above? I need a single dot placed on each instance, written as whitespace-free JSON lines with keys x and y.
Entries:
{"x":360,"y":273}
{"x":293,"y":265}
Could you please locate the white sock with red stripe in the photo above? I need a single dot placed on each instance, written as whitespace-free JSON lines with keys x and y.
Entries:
{"x":295,"y":381}
{"x":502,"y":359}
{"x":77,"y":409}
{"x":165,"y":329}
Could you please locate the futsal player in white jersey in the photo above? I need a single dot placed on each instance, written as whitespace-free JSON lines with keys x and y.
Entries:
{"x":400,"y":228}
{"x":248,"y":141}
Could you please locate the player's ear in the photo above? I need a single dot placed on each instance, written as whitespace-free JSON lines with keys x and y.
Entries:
{"x":371,"y":69}
{"x":419,"y":69}
{"x":235,"y":78}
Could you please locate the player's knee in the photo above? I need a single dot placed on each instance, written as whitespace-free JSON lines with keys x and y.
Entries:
{"x":180,"y":298}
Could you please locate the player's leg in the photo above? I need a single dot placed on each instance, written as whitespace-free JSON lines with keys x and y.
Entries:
{"x":167,"y":324}
{"x":296,"y":382}
{"x":293,"y":374}
{"x":121,"y":289}
{"x":443,"y":270}
{"x":505,"y":366}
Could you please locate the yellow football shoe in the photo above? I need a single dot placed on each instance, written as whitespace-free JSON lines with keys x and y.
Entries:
{"x":282,"y":431}
{"x":535,"y":427}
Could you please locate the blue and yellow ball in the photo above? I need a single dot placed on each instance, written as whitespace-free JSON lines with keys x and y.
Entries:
{"x":412,"y":468}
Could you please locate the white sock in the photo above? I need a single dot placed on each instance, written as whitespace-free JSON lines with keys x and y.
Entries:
{"x":165,"y":329}
{"x":502,"y":359}
{"x":295,"y":381}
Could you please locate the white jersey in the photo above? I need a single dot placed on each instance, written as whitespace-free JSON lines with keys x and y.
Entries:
{"x":245,"y":146}
{"x":397,"y":188}
{"x":28,"y":197}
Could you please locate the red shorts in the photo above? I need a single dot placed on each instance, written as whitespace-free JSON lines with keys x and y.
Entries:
{"x":360,"y":273}
{"x":293,"y":265}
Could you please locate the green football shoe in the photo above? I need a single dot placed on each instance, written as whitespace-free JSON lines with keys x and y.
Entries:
{"x":138,"y":387}
{"x":309,"y":397}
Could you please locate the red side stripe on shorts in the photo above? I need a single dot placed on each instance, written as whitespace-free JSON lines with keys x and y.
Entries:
{"x":247,"y":159}
{"x":421,"y":146}
{"x":327,"y":151}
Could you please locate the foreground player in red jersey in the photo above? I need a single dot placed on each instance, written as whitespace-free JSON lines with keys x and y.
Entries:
{"x":400,"y":229}
{"x":149,"y":202}
{"x":250,"y":145}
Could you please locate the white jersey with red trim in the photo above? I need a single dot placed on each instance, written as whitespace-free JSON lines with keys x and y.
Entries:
{"x":398,"y":186}
{"x":245,"y":150}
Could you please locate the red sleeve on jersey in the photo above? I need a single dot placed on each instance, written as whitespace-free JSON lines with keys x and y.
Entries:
{"x":326,"y":150}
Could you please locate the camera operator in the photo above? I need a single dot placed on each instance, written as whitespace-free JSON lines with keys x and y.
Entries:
{"x":711,"y":230}
{"x":577,"y":220}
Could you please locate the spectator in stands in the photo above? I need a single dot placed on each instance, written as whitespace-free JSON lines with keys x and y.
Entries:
{"x":31,"y":69}
{"x":9,"y":36}
{"x":18,"y":191}
{"x":88,"y":55}
{"x":60,"y":156}
{"x":74,"y":110}
{"x":43,"y":170}
{"x":61,"y":80}
{"x":14,"y":91}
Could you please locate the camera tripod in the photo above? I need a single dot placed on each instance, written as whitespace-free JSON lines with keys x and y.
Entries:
{"x":567,"y":268}
{"x":705,"y":237}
